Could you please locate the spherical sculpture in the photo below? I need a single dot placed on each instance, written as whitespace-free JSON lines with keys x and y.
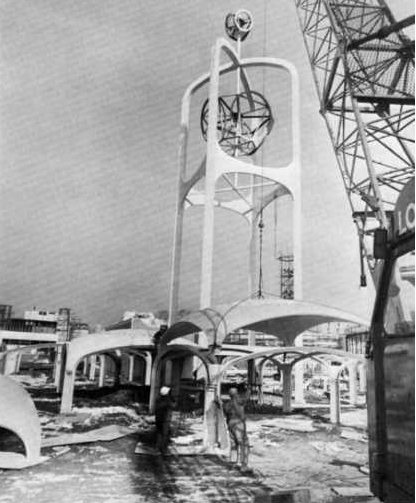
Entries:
{"x":239,"y":25}
{"x":242,"y":124}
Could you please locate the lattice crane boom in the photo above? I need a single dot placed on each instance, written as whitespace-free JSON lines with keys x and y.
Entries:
{"x":363,"y":67}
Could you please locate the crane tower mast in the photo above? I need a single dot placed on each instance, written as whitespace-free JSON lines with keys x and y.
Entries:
{"x":363,"y":67}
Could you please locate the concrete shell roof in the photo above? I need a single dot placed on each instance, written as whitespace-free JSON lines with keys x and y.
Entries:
{"x":280,"y":317}
{"x":105,"y":341}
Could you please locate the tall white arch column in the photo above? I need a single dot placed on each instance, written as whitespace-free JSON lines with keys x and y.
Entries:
{"x":219,"y":163}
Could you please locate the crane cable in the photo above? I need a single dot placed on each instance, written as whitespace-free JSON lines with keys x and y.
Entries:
{"x":261,"y":220}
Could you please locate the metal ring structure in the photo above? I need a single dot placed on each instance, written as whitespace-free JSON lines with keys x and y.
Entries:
{"x":242,"y":127}
{"x":239,"y":25}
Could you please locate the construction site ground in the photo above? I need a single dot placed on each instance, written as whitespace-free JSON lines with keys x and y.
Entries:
{"x":287,"y":451}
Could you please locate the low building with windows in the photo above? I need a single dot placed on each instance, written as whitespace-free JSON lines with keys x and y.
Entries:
{"x":37,"y":326}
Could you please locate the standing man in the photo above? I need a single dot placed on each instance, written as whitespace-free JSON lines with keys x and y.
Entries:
{"x":163,"y":415}
{"x":236,"y":422}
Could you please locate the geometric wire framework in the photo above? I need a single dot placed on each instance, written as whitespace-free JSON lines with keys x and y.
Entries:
{"x":286,"y":277}
{"x":363,"y":67}
{"x":243,"y":122}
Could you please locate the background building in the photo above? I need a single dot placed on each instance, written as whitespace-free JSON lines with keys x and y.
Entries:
{"x":38,"y":326}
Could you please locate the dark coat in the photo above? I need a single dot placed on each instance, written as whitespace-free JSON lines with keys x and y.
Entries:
{"x":163,"y":409}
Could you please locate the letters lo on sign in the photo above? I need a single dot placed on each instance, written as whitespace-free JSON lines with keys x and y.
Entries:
{"x":404,"y":213}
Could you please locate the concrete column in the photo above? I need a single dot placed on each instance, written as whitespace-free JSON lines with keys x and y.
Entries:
{"x":18,"y":362}
{"x":334,"y":400}
{"x":131,"y":368}
{"x":154,"y":384}
{"x":10,"y":363}
{"x":210,"y":179}
{"x":67,"y":391}
{"x":362,"y":369}
{"x":259,"y":368}
{"x":85,"y":366}
{"x":286,"y":369}
{"x":101,"y":377}
{"x":252,"y":276}
{"x":93,"y":366}
{"x":177,"y":243}
{"x":296,"y":188}
{"x":299,"y":370}
{"x":353,"y":383}
{"x":251,"y":338}
{"x":215,"y":432}
{"x":57,"y":377}
{"x":148,"y":374}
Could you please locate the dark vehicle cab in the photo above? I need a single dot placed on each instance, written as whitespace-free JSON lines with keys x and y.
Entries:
{"x":391,"y":359}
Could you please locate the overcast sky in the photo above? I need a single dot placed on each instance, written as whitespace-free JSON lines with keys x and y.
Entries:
{"x":90,"y":109}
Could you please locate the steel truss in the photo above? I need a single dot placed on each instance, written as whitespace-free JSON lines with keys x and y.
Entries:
{"x":363,"y":66}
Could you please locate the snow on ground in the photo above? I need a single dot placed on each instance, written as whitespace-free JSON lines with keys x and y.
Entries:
{"x":40,"y":380}
{"x":301,"y":449}
{"x":83,"y":419}
{"x":286,"y":451}
{"x":318,"y":458}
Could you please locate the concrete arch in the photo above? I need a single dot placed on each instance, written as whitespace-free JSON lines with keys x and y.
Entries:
{"x":352,"y":366}
{"x":283,"y":318}
{"x":260,"y":364}
{"x":95,"y":344}
{"x":230,"y":352}
{"x":333,"y":357}
{"x":179,"y":350}
{"x":133,"y":356}
{"x":98,"y":343}
{"x":304,"y":352}
{"x":146,"y":358}
{"x":18,"y":414}
{"x":286,"y":369}
{"x":9,"y":360}
{"x":117,"y":357}
{"x":227,"y":358}
{"x":29,"y":347}
{"x":280,"y":317}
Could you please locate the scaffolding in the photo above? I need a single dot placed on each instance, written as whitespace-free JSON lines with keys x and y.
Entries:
{"x":286,"y":276}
